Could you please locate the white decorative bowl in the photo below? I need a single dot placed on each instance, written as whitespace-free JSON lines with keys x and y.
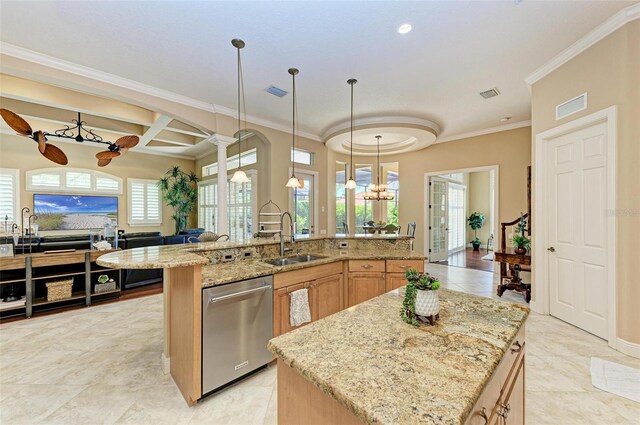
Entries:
{"x":427,"y":303}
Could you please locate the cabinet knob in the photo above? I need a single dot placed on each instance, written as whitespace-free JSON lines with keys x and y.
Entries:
{"x":366,"y":266}
{"x":516,"y":347}
{"x":483,"y":414}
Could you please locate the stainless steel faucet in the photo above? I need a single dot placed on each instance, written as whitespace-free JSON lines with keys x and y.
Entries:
{"x":284,"y":250}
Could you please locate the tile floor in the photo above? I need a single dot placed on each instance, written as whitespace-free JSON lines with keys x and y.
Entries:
{"x":101,"y":365}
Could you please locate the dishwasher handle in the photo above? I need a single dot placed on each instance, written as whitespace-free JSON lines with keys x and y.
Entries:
{"x":238,"y":294}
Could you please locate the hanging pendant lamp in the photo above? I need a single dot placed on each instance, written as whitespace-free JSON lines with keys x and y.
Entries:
{"x":351,"y":183}
{"x":293,"y":180}
{"x":378,"y":192}
{"x":239,"y":176}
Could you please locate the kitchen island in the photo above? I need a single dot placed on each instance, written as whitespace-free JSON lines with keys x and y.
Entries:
{"x":365,"y":365}
{"x":344,"y":271}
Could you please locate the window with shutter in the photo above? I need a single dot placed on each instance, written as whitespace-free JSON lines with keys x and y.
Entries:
{"x":9,"y":195}
{"x":74,"y":180}
{"x":207,"y":204}
{"x":145,"y":203}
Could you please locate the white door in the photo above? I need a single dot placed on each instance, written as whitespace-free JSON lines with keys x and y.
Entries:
{"x":577,"y":252}
{"x":438,"y":219}
{"x":302,"y":204}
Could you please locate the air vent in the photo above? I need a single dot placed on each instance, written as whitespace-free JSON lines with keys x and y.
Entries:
{"x":276,"y":91}
{"x":489,"y":93}
{"x":577,"y":104}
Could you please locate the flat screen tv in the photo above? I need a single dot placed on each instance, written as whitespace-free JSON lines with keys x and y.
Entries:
{"x":75,"y":212}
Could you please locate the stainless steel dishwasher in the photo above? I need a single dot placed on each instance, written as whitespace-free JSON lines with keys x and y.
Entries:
{"x":237,"y":323}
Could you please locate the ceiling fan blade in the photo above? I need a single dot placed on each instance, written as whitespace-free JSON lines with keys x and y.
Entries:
{"x":107,"y":155}
{"x":55,"y":154}
{"x":127,"y":141}
{"x":103,"y":162}
{"x":16,"y":122}
{"x":42,"y":142}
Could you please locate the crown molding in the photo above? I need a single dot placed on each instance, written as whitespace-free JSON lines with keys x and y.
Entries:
{"x":94,"y":74}
{"x":382,"y":121}
{"x":489,"y":130}
{"x":609,"y":26}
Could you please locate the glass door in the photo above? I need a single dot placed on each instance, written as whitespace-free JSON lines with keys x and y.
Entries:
{"x":303,"y":205}
{"x":438,"y":219}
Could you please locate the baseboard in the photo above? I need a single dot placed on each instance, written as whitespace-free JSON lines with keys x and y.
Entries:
{"x":629,"y":348}
{"x":166,"y":364}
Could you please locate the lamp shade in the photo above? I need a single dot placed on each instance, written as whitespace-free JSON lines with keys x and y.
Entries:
{"x":293,"y":182}
{"x":240,"y":177}
{"x":351,"y":184}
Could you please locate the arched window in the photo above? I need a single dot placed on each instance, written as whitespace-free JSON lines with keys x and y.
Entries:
{"x":76,"y":180}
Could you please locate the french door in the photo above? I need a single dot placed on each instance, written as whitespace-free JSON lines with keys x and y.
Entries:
{"x":438,"y":219}
{"x":302,"y":205}
{"x":576,"y":179}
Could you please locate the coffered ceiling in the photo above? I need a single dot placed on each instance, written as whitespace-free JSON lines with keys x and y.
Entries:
{"x":435,"y":72}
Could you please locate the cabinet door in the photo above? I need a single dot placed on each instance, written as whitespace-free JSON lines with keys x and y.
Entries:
{"x":364,"y":286}
{"x":395,"y":281}
{"x":514,"y":399}
{"x":327,"y":296}
{"x":281,"y":309}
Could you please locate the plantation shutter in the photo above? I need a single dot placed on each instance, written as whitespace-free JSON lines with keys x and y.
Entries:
{"x":207,"y":205}
{"x":9,"y":192}
{"x":145,"y":208}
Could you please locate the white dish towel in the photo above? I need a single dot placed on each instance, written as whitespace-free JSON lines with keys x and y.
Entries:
{"x":299,"y":311}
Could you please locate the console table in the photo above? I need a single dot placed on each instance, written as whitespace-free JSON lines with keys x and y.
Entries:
{"x":514,"y":283}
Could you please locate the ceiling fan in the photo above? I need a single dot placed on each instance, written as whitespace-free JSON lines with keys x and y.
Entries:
{"x":55,"y":154}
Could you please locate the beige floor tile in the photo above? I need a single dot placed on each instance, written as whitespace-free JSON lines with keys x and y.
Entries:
{"x":30,"y":404}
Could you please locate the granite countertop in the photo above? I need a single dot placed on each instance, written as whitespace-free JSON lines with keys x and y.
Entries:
{"x":152,"y":257}
{"x":218,"y":274}
{"x":387,"y":372}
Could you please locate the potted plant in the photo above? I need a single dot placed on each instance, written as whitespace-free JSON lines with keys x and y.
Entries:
{"x":521,"y":243}
{"x":476,"y":220}
{"x":420,"y":298}
{"x":180,"y":193}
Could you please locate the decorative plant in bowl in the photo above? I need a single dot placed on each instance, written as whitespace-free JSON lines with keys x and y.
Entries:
{"x":420,"y":298}
{"x":521,"y":243}
{"x":476,"y":221}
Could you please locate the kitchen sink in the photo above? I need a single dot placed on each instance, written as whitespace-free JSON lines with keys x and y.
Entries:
{"x":285,"y":261}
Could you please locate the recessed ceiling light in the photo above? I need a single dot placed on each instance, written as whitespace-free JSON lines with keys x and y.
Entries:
{"x":404,"y":28}
{"x":505,"y":119}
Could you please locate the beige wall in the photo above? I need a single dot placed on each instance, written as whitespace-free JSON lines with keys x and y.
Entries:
{"x":609,"y":72}
{"x":20,"y":153}
{"x":479,"y":192}
{"x":510,"y":150}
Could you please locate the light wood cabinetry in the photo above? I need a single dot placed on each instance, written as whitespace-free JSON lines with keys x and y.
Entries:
{"x":326,"y":294}
{"x":363,"y":286}
{"x":395,"y":272}
{"x":502,"y":400}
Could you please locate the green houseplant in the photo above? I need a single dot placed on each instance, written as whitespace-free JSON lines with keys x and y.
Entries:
{"x":420,"y":298}
{"x":521,"y":243}
{"x":476,"y":221}
{"x":180,"y":192}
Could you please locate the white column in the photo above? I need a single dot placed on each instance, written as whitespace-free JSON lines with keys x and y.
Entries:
{"x":222,"y":226}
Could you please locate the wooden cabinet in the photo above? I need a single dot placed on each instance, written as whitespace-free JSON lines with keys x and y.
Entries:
{"x":502,"y":400}
{"x":395,"y":272}
{"x":327,"y":296}
{"x":363,"y":286}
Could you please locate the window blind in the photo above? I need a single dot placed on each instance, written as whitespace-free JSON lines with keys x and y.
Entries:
{"x":145,"y":208}
{"x":9,"y":190}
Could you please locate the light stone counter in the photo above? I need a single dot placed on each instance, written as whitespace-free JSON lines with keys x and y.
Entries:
{"x":388,"y":372}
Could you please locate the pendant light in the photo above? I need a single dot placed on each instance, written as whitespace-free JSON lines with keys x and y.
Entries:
{"x":239,"y":176}
{"x":378,"y":192}
{"x":293,"y":180}
{"x":351,"y":183}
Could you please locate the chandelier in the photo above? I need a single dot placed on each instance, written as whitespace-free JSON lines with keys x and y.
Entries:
{"x":378,"y":191}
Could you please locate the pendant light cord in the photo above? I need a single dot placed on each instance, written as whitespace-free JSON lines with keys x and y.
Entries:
{"x":293,"y":142}
{"x":351,"y":136}
{"x":378,"y":170}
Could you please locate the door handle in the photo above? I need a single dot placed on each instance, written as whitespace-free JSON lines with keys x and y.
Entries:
{"x":237,"y":294}
{"x":551,"y":249}
{"x":367,"y":266}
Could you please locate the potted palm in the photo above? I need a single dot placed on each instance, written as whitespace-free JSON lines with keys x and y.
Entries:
{"x":420,"y":298}
{"x":180,"y":192}
{"x":476,"y":221}
{"x":521,"y":243}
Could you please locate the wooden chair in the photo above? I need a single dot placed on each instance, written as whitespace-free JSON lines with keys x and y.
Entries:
{"x":411,"y":229}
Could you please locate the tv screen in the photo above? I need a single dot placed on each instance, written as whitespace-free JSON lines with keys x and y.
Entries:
{"x":75,"y":212}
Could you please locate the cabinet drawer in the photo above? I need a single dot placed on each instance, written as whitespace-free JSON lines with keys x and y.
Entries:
{"x":400,"y":266}
{"x":281,"y":280}
{"x":366,"y":266}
